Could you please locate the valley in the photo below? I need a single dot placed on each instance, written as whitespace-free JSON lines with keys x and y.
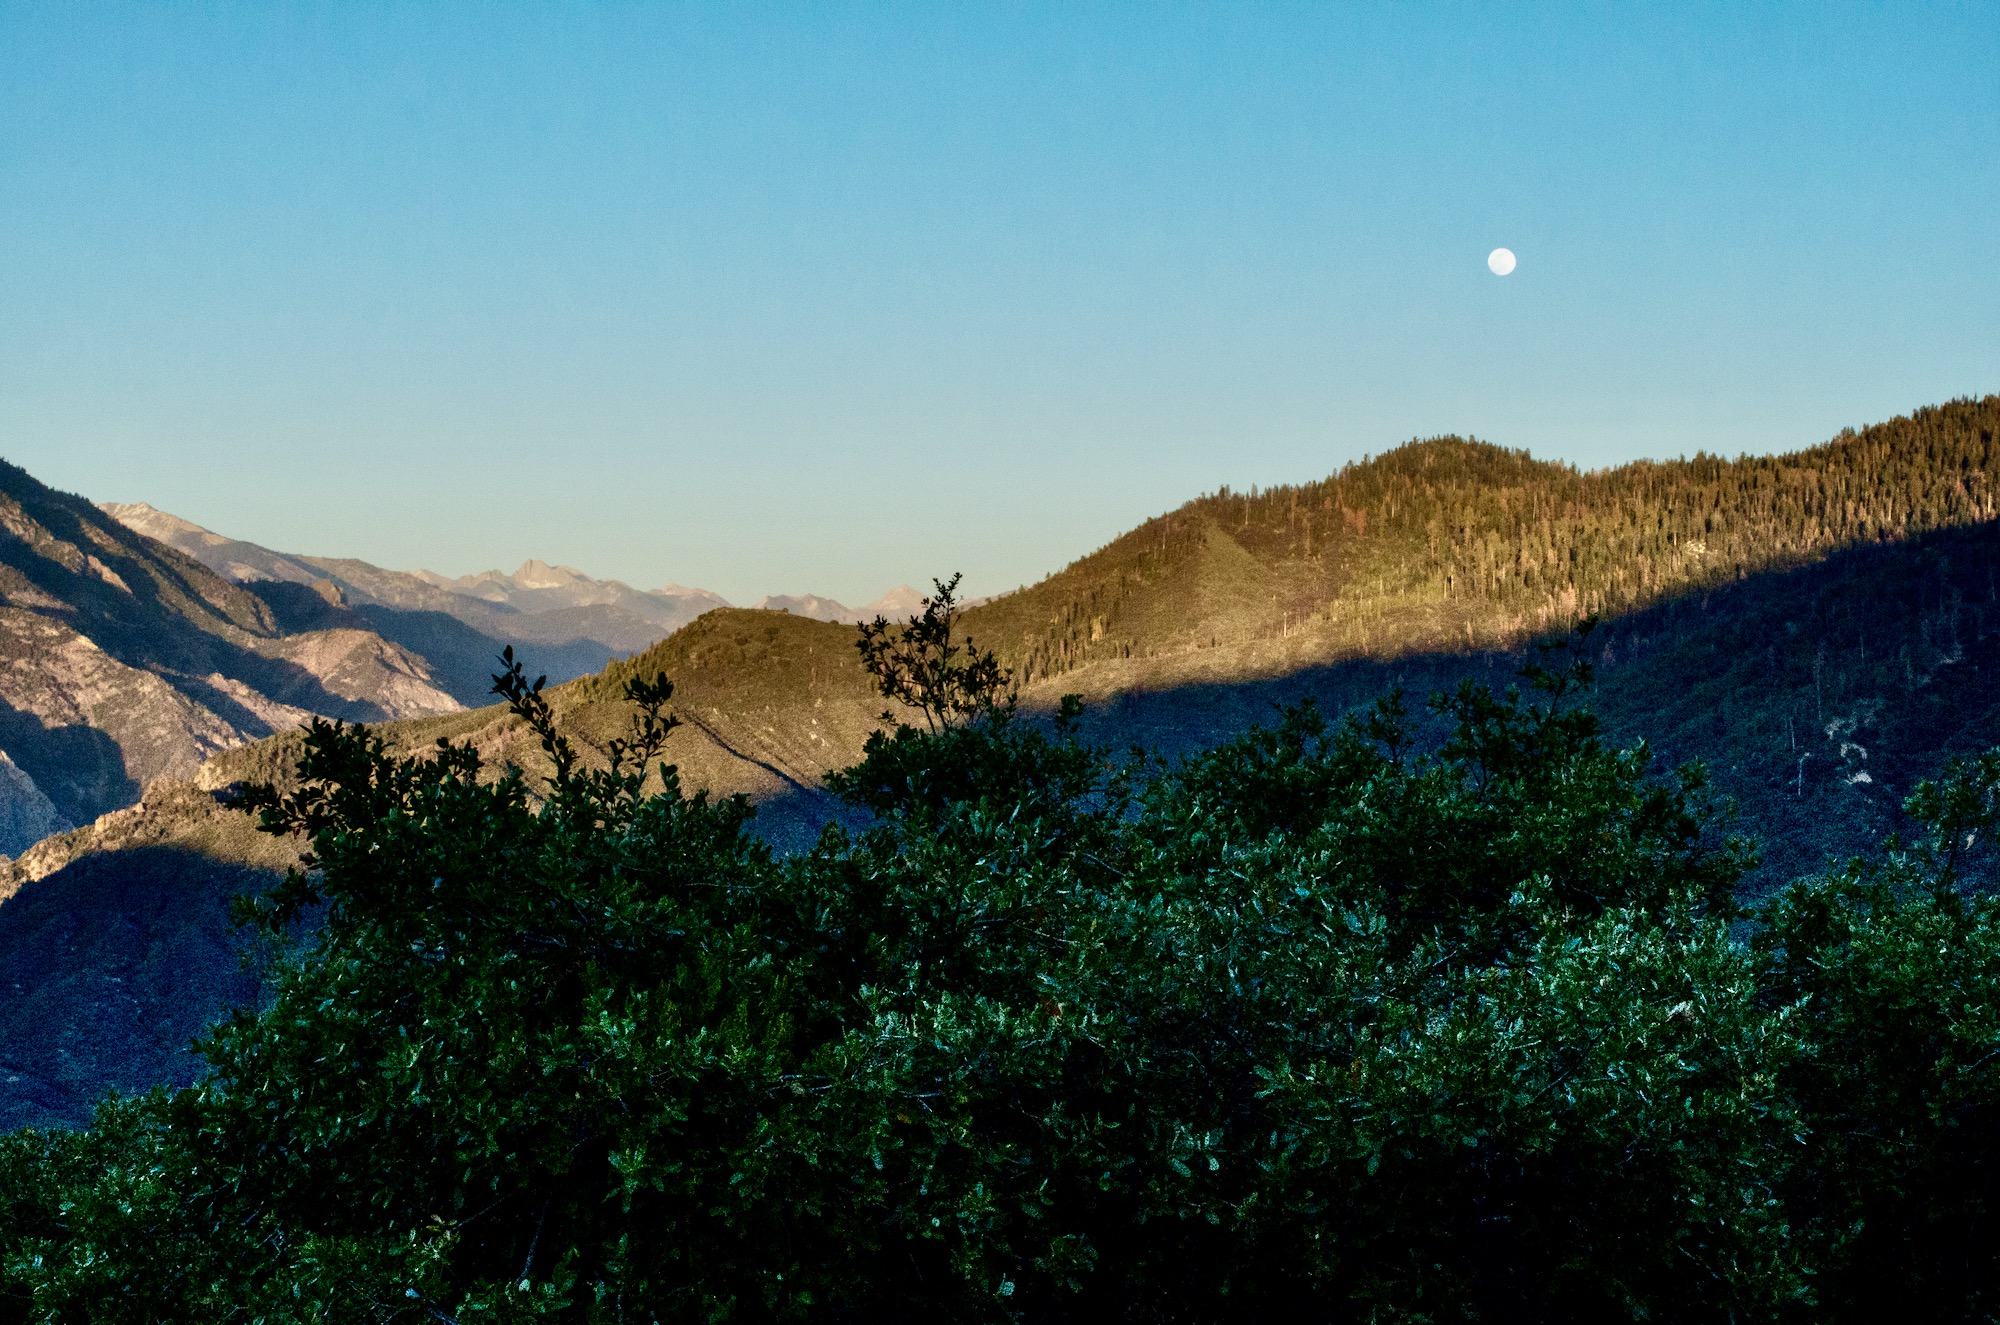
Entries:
{"x":1820,"y":629}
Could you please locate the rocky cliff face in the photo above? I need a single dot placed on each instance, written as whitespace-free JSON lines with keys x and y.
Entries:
{"x":123,"y":661}
{"x":27,"y":815}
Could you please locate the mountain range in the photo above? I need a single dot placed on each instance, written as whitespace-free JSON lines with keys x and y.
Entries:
{"x":135,"y":644}
{"x":572,"y":623}
{"x":123,"y":661}
{"x":1820,"y":628}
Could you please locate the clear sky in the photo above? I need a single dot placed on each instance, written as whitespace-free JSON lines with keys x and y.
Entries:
{"x":827,"y":297}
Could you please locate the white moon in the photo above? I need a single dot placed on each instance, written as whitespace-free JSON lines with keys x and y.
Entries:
{"x":1500,"y":261}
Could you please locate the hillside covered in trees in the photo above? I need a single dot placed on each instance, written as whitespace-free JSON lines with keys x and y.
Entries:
{"x":1855,"y":650}
{"x":1453,"y":544}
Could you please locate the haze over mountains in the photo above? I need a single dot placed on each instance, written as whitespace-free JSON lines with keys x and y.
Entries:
{"x":1821,"y":628}
{"x":572,"y":623}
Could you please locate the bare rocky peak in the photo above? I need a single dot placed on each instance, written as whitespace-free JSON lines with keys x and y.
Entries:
{"x":498,"y":586}
{"x":233,"y":559}
{"x":153,"y":522}
{"x":541,"y":575}
{"x":899,"y":604}
{"x":539,"y":587}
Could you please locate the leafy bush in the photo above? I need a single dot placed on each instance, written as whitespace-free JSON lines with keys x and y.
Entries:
{"x":1315,"y":1025}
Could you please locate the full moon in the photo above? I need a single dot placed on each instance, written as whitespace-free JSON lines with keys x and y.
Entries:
{"x":1500,"y":261}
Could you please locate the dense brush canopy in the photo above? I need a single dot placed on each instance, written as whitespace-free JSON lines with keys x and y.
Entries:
{"x":1320,"y":1024}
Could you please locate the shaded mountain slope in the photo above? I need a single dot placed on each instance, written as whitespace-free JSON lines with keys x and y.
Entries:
{"x":1858,"y":575}
{"x":117,"y":946}
{"x":1821,"y":695}
{"x":461,"y":659}
{"x":154,"y":609}
{"x":463,"y":656}
{"x":1817,"y":697}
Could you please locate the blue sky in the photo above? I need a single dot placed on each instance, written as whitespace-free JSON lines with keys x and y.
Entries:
{"x":784,"y":298}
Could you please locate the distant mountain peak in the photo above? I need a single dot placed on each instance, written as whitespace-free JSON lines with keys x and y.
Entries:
{"x":535,"y":574}
{"x":150,"y":520}
{"x":805,"y":605}
{"x":899,"y":604}
{"x":563,"y":620}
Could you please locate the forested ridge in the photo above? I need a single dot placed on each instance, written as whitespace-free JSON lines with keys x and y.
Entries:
{"x":1456,"y":543}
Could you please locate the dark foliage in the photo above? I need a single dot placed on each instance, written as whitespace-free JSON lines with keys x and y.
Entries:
{"x":1321,"y":1024}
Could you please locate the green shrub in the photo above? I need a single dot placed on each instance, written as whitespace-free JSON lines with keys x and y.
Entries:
{"x":1315,"y":1025}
